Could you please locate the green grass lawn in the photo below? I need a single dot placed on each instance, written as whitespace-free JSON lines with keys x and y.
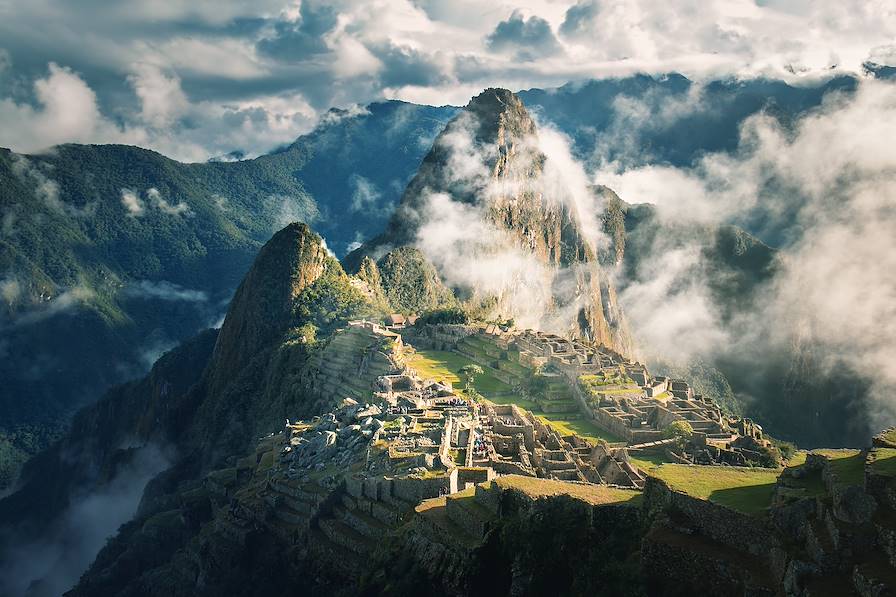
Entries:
{"x":446,"y":365}
{"x":883,"y":461}
{"x":582,"y":427}
{"x":747,"y":490}
{"x":847,"y":465}
{"x":593,"y":494}
{"x":646,"y":461}
{"x":438,"y":364}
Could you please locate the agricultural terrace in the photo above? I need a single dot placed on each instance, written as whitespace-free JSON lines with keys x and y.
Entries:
{"x":883,"y":461}
{"x":847,"y":466}
{"x":444,"y":365}
{"x":593,"y":494}
{"x":747,"y":490}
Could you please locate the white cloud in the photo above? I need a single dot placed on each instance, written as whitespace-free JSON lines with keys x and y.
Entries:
{"x":10,"y":290}
{"x":166,"y":291}
{"x":365,"y":195}
{"x":161,"y":98}
{"x":67,"y":112}
{"x":830,"y":184}
{"x":132,"y":203}
{"x":203,"y":86}
{"x":178,"y":209}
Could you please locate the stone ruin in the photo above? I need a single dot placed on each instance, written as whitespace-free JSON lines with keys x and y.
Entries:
{"x":618,"y":394}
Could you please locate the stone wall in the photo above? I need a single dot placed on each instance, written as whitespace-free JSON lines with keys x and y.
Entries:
{"x":734,"y":530}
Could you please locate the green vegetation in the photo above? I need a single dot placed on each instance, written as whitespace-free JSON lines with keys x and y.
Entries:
{"x":847,"y":466}
{"x":580,"y":426}
{"x":647,"y":460}
{"x":451,"y":315}
{"x":883,"y":461}
{"x":747,"y":490}
{"x":787,"y":450}
{"x":411,"y":283}
{"x":330,"y":301}
{"x":681,"y":431}
{"x":448,"y":366}
{"x":445,"y":365}
{"x":20,"y":443}
{"x":592,"y":383}
{"x":469,"y":373}
{"x":596,"y":495}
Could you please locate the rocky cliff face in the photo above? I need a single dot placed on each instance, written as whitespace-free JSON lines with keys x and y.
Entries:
{"x":499,"y":225}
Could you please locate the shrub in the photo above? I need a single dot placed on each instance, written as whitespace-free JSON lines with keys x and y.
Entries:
{"x":681,"y":431}
{"x":451,"y":315}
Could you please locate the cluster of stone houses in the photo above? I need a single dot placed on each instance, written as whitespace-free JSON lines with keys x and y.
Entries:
{"x":619,"y":394}
{"x":430,"y":428}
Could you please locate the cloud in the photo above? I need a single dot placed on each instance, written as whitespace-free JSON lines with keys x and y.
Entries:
{"x":45,"y":189}
{"x":178,"y":209}
{"x":58,"y":559}
{"x":66,"y":112}
{"x":137,"y":207}
{"x":166,"y":291}
{"x":365,"y":195}
{"x":528,"y":38}
{"x":161,"y":98}
{"x":10,"y":290}
{"x":283,"y":210}
{"x":132,"y":203}
{"x":458,"y":233}
{"x":199,"y":81}
{"x":50,"y":306}
{"x":825,"y":189}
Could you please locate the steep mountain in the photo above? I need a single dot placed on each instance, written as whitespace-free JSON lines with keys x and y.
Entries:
{"x":359,"y":498}
{"x":410,"y":282}
{"x":203,"y":402}
{"x":488,"y":163}
{"x":110,"y":255}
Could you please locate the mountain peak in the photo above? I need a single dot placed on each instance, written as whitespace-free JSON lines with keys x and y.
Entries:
{"x":262,"y":306}
{"x":500,"y":117}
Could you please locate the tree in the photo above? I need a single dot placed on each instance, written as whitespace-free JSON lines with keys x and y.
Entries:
{"x":681,"y":431}
{"x":470,"y":372}
{"x":537,"y":382}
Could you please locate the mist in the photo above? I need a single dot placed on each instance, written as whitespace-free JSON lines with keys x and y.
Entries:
{"x":484,"y":260}
{"x":823,"y":192}
{"x":49,"y":565}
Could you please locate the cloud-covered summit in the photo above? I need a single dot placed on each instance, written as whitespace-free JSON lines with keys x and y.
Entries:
{"x":199,"y":79}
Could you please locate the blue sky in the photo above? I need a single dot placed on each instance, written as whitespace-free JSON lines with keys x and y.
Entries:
{"x":199,"y":78}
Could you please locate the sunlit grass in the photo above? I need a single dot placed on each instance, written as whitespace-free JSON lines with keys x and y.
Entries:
{"x":747,"y":490}
{"x":444,"y":365}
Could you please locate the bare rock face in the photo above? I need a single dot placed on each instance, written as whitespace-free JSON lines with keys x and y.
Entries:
{"x":262,"y":306}
{"x":503,"y":228}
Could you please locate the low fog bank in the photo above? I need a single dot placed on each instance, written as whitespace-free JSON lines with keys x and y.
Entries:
{"x":48,"y":566}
